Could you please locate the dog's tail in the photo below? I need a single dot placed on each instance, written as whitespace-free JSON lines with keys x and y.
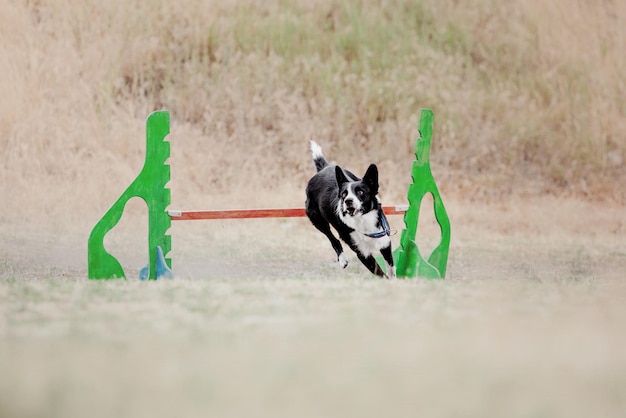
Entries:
{"x":318,"y":157}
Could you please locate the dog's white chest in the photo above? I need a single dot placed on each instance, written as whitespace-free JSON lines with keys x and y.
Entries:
{"x":366,"y":224}
{"x":368,"y":245}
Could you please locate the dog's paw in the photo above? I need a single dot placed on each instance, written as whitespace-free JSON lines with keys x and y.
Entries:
{"x":342,"y":260}
{"x":391,"y":271}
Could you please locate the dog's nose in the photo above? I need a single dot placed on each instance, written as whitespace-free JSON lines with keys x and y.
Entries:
{"x":349,"y":202}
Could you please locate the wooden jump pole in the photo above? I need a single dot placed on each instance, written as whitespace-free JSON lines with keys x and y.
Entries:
{"x":190,"y":215}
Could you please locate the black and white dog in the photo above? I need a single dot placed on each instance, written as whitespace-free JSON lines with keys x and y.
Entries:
{"x":335,"y":196}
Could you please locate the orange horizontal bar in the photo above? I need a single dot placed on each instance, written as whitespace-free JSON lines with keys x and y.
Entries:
{"x":189,"y":215}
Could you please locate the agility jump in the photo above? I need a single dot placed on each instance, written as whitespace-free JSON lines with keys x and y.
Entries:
{"x":150,"y":185}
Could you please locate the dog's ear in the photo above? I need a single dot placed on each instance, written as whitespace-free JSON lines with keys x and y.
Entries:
{"x":371,"y":178}
{"x":340,"y":175}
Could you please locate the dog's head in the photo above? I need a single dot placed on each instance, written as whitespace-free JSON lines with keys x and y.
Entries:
{"x":357,"y":197}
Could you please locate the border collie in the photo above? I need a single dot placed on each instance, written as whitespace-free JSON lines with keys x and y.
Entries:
{"x":335,"y":196}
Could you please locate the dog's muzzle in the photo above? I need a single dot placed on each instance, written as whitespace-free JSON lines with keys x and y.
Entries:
{"x":349,"y":208}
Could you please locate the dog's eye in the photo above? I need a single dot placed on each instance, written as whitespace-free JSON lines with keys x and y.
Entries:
{"x":360,"y":193}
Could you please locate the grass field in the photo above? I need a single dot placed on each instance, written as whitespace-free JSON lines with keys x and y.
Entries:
{"x":261,"y":322}
{"x":529,"y":146}
{"x":314,"y":346}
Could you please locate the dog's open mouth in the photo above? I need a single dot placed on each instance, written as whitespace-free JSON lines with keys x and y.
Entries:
{"x":351,"y":211}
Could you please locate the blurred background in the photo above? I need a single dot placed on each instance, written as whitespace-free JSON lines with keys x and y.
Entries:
{"x":528,"y":98}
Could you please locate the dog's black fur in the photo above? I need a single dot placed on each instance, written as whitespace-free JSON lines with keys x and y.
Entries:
{"x":337,"y":197}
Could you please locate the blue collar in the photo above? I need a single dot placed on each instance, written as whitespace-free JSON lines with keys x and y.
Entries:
{"x":385,"y":232}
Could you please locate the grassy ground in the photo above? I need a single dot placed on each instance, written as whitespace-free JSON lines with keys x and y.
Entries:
{"x":260,"y":321}
{"x":313,"y":346}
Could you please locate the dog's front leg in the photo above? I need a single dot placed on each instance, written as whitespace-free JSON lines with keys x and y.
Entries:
{"x":388,"y":257}
{"x":341,"y":257}
{"x":324,"y":227}
{"x":371,"y":264}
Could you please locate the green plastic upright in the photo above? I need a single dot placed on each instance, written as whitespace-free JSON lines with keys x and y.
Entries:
{"x":409,"y":260}
{"x":150,"y":186}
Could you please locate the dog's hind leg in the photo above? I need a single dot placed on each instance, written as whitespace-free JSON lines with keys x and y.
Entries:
{"x":324,"y":227}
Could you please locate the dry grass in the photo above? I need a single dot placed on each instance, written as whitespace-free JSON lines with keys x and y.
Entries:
{"x":528,"y":96}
